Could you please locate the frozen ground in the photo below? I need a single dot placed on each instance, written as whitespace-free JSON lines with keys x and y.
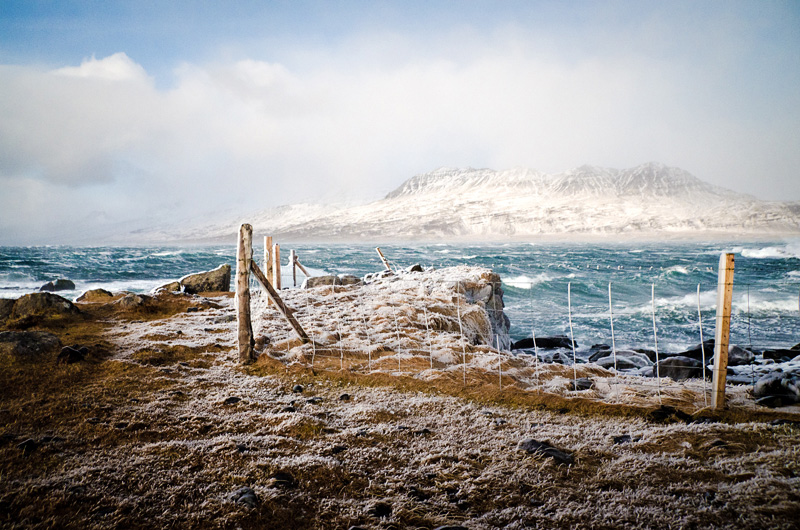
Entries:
{"x":167,"y":430}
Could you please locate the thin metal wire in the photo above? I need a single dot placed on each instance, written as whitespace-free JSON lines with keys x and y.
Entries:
{"x":572,"y":336}
{"x":702,"y":346}
{"x":463,"y":341}
{"x":655,"y":339}
{"x":428,"y":335}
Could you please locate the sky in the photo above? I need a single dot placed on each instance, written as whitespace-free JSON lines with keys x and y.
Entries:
{"x":117,"y":116}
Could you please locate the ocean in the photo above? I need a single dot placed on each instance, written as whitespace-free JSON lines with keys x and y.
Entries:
{"x":536,"y":279}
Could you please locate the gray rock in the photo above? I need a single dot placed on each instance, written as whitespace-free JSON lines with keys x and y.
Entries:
{"x":544,"y":448}
{"x":58,"y":285}
{"x":217,"y":280}
{"x":132,"y":300}
{"x":738,"y":356}
{"x":28,"y":345}
{"x":785,"y":386}
{"x":626,"y":360}
{"x":679,"y":368}
{"x":320,"y":281}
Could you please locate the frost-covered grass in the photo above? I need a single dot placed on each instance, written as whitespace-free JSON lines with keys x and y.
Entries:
{"x":147,"y":434}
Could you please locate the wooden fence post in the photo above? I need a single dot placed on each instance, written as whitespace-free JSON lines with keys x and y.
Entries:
{"x":268,"y":257}
{"x":244,"y":256}
{"x":723,"y":331}
{"x":276,"y":266}
{"x":293,"y":262}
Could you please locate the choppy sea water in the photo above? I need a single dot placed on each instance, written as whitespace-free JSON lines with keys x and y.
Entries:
{"x":536,"y":280}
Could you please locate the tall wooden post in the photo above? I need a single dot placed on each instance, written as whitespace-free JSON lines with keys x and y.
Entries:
{"x":244,"y":255}
{"x":268,"y":261}
{"x":293,"y":262}
{"x":723,"y":331}
{"x":276,"y":266}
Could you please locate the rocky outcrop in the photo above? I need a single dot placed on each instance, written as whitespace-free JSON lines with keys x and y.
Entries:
{"x":28,"y":345}
{"x":42,"y":305}
{"x":217,"y":280}
{"x":58,"y":285}
{"x":331,"y":279}
{"x":488,"y":291}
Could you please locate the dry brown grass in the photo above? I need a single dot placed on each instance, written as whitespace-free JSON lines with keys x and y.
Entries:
{"x":153,"y":439}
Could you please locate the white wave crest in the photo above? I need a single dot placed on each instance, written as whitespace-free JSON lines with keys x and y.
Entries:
{"x":525,"y":282}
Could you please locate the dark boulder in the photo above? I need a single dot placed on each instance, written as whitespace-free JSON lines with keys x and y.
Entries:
{"x":679,"y":368}
{"x":737,"y":356}
{"x":782,"y":388}
{"x":349,"y":279}
{"x":545,"y":343}
{"x":133,"y":301}
{"x":780,"y":355}
{"x":28,"y":345}
{"x":598,"y":351}
{"x":58,"y":285}
{"x":581,"y":384}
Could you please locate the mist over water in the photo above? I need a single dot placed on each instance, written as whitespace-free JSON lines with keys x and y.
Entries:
{"x":766,"y":297}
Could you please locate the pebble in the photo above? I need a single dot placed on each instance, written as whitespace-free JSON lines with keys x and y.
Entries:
{"x":314,"y":400}
{"x":338,"y":449}
{"x":298,"y":389}
{"x":282,"y":479}
{"x":380,"y":509}
{"x":28,"y":446}
{"x":344,"y":397}
{"x":232,"y":400}
{"x":543,"y":448}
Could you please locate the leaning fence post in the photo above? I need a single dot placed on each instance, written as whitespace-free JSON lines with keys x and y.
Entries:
{"x":383,"y":258}
{"x":244,"y":255}
{"x":723,"y":331}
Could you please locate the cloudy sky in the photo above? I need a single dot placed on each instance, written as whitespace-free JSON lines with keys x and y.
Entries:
{"x":117,"y":115}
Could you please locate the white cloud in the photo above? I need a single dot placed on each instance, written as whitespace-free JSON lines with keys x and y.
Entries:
{"x":342,"y":121}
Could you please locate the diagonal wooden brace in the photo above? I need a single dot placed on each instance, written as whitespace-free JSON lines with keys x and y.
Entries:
{"x":287,"y":313}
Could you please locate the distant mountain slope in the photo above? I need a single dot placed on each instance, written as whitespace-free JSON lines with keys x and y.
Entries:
{"x":650,"y":199}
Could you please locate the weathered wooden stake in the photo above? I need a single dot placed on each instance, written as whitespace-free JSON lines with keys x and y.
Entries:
{"x":383,"y":258}
{"x":268,"y":258}
{"x":300,"y":266}
{"x":276,"y":266}
{"x":293,"y":263}
{"x":244,"y":256}
{"x":287,"y":313}
{"x":723,"y":331}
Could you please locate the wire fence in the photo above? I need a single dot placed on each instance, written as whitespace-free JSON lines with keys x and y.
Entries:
{"x":422,"y":326}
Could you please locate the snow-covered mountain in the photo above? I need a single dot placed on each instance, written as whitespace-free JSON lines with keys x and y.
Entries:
{"x":451,"y":204}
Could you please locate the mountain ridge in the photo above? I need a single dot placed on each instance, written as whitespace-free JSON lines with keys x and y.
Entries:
{"x":468,"y":204}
